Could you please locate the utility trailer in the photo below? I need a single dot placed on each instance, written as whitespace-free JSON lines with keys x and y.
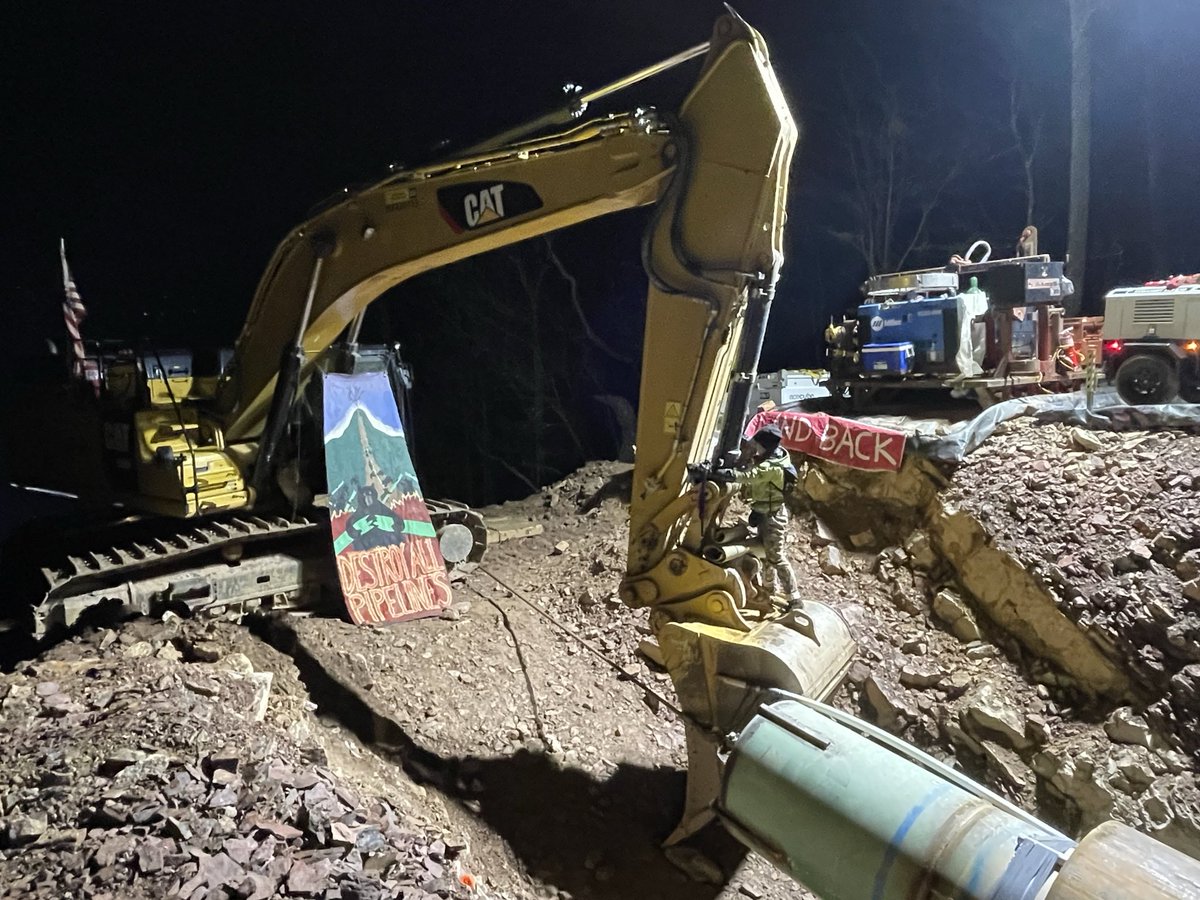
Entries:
{"x":1152,"y":341}
{"x":988,"y":329}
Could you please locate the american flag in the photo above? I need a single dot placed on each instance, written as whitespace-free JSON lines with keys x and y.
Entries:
{"x":74,"y":312}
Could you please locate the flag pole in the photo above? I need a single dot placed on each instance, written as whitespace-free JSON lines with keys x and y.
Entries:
{"x":74,"y":313}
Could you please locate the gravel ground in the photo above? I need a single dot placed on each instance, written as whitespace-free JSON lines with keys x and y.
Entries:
{"x":181,"y":759}
{"x":491,"y":753}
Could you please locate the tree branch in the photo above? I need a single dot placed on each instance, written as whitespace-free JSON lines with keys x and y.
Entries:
{"x":573,"y":293}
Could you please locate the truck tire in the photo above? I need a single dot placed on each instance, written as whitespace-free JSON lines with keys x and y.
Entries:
{"x":1147,"y":379}
{"x":1189,"y":385}
{"x":1189,"y":391}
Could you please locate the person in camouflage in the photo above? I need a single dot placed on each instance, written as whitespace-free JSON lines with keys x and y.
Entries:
{"x":765,"y":477}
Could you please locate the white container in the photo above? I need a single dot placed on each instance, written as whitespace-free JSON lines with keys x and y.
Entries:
{"x":788,"y":387}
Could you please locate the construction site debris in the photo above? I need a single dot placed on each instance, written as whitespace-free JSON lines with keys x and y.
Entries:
{"x":122,"y":779}
{"x":569,"y":736}
{"x":1111,"y":534}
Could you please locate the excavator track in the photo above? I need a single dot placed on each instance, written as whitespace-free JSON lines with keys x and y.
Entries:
{"x":216,"y":565}
{"x":237,"y":565}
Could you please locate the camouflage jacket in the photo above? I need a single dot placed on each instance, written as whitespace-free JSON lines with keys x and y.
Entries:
{"x":764,"y":484}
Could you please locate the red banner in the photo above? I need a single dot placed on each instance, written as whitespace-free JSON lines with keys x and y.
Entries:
{"x":841,"y":441}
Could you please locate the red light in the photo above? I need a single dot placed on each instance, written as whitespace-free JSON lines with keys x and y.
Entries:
{"x":1114,"y":346}
{"x":1191,"y":346}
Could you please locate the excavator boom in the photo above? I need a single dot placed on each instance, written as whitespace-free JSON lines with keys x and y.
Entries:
{"x":423,"y":219}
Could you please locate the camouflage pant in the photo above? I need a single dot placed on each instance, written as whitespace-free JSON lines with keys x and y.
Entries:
{"x":778,"y":569}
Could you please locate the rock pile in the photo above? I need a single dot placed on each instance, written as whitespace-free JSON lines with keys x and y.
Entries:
{"x":135,"y":769}
{"x":1047,"y":539}
{"x":1111,"y":525}
{"x":965,"y":702}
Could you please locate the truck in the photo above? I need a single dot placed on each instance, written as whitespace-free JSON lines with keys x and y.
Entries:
{"x":834,"y":803}
{"x":1151,"y":350}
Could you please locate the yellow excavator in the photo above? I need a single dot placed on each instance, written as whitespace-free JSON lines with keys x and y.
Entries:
{"x":842,"y":807}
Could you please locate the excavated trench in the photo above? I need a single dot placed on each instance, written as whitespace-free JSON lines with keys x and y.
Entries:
{"x":572,"y":833}
{"x":905,"y":509}
{"x":1093,"y":742}
{"x":967,"y":649}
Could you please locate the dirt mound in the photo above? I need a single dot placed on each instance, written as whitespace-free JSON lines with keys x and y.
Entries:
{"x":1111,"y":525}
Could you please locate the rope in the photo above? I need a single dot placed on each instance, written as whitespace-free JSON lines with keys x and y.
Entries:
{"x":537,"y":713}
{"x":574,"y":635}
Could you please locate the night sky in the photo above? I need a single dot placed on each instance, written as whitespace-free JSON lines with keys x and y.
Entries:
{"x":174,"y":144}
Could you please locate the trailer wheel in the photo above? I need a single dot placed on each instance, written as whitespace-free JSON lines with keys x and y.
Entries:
{"x":1189,"y":387}
{"x":1147,"y":379}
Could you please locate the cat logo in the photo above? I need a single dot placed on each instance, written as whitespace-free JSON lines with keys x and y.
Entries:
{"x":484,"y":208}
{"x":477,"y":204}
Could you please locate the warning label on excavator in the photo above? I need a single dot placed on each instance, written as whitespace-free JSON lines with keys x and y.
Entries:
{"x":398,"y":196}
{"x":389,"y":560}
{"x":671,"y":417}
{"x":841,"y":441}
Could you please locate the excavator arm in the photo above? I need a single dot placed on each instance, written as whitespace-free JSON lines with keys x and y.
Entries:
{"x":719,"y":167}
{"x":717,"y":170}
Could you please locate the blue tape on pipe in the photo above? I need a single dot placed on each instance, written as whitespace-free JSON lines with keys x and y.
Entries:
{"x":1032,"y":865}
{"x":893,"y":850}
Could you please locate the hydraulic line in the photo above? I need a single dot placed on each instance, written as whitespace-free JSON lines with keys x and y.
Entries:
{"x":591,"y":648}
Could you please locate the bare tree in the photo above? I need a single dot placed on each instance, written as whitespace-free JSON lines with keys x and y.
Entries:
{"x":895,"y":186}
{"x":531,"y":277}
{"x":1027,"y":129}
{"x":520,"y":397}
{"x":1081,"y":15}
{"x":573,"y":294}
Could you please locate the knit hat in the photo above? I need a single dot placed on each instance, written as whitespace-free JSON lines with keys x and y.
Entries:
{"x":768,"y":437}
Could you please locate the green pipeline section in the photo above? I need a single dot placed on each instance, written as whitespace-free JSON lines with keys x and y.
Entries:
{"x":852,"y":817}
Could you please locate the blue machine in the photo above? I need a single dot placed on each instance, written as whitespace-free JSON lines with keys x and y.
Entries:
{"x":930,"y":324}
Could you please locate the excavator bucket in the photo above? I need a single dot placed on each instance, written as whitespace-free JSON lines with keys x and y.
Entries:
{"x":721,"y":674}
